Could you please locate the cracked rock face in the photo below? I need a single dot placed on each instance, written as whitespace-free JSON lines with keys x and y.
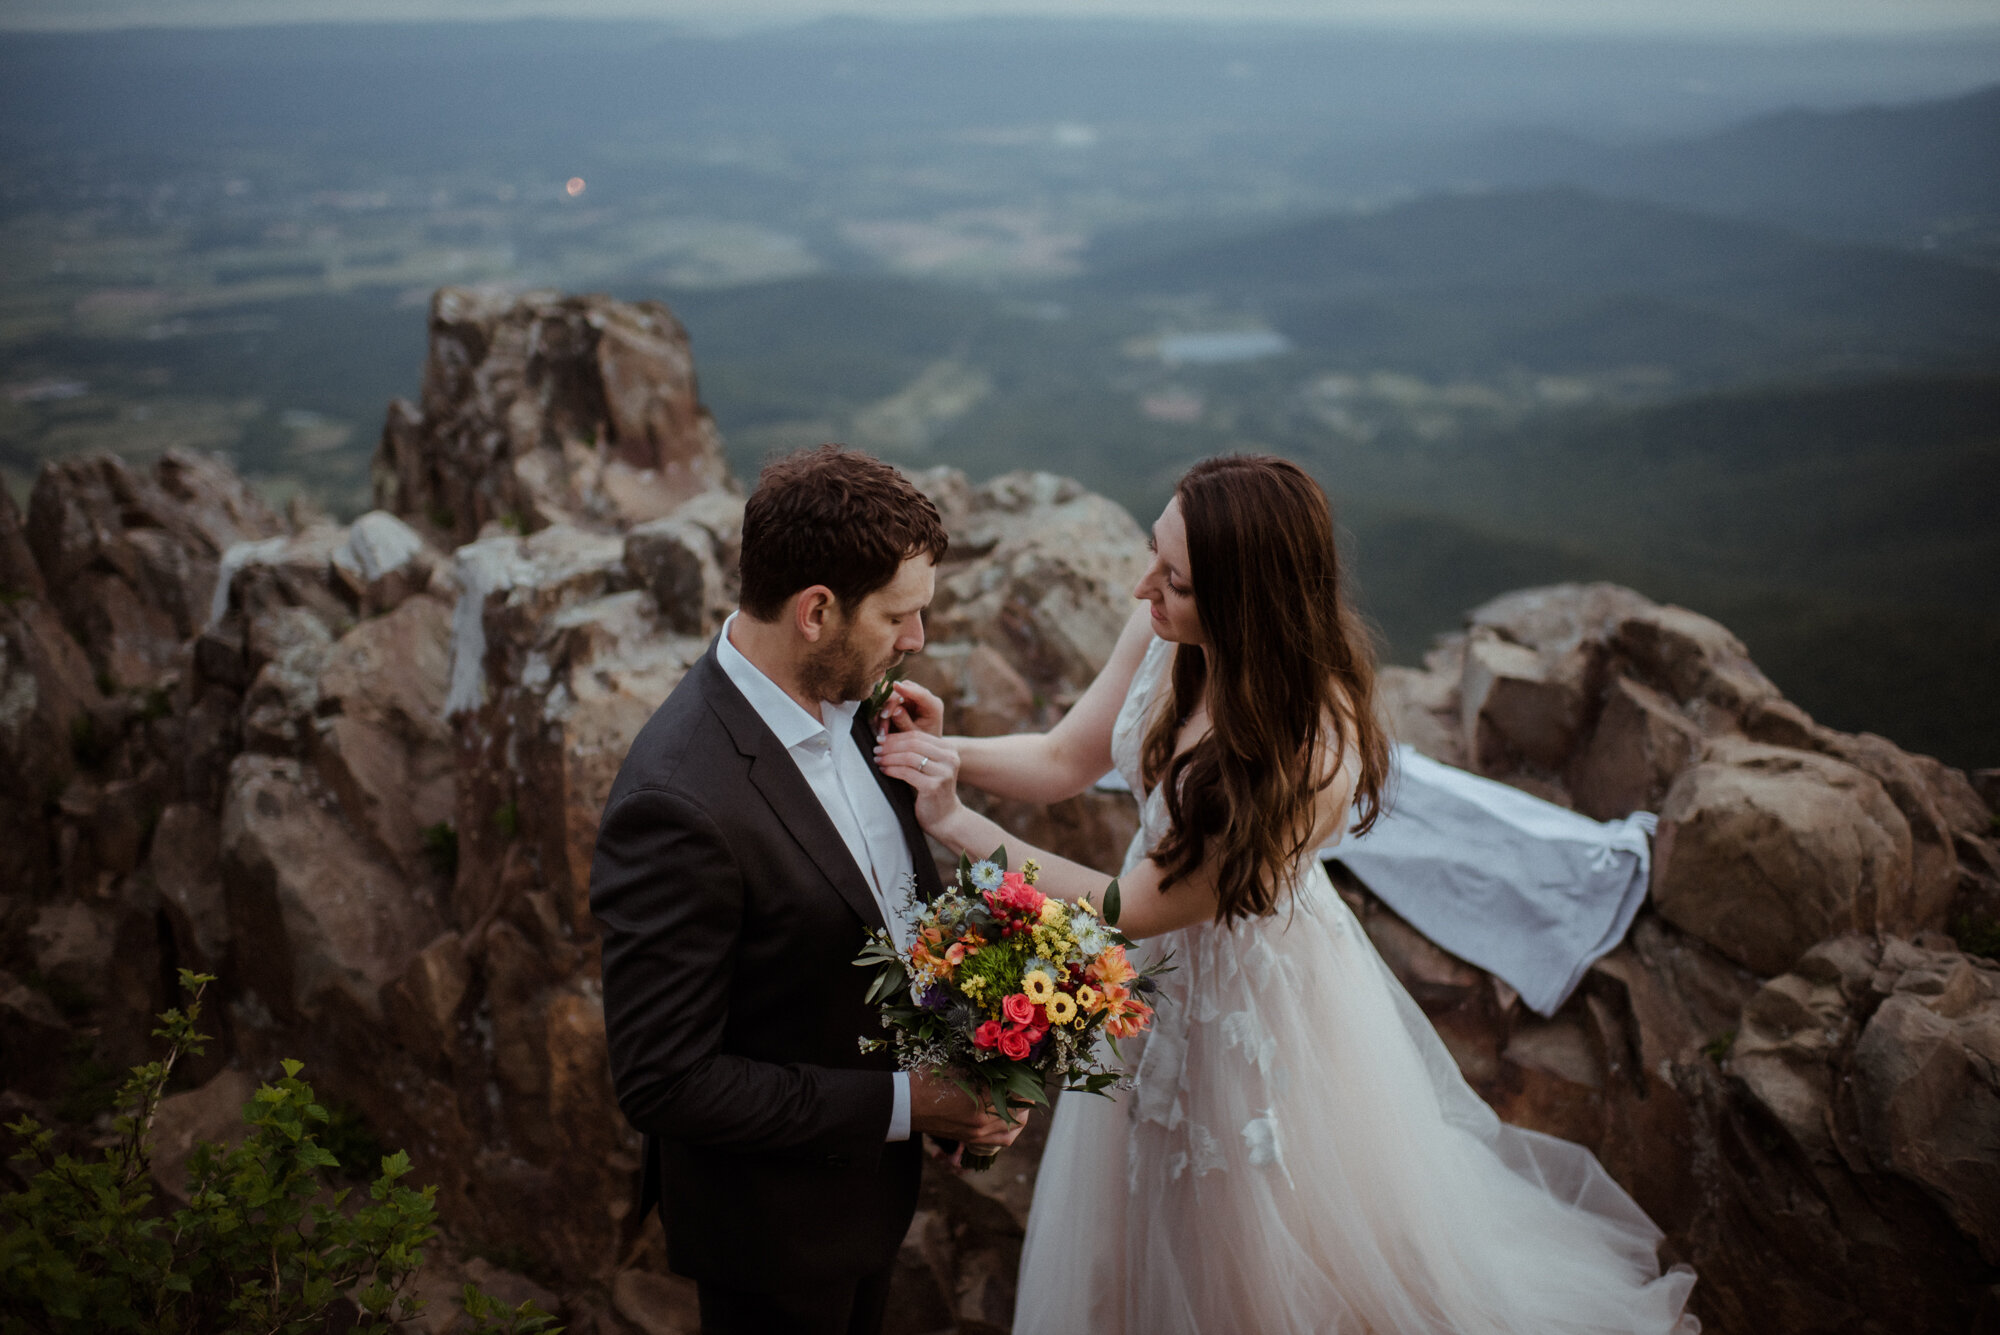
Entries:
{"x":356,"y":770}
{"x":544,"y":409}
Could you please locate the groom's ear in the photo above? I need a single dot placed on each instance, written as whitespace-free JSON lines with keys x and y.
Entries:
{"x":811,"y":609}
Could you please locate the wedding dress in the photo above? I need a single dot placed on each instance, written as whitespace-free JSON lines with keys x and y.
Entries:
{"x":1300,"y":1154}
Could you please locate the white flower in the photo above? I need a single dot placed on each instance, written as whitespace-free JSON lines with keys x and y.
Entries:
{"x":986,"y":875}
{"x":1261,"y":1137}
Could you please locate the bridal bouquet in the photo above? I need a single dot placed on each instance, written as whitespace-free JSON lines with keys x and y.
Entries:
{"x":1004,"y":989}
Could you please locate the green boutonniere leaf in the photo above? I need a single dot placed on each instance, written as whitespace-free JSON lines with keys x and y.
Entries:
{"x":879,"y":697}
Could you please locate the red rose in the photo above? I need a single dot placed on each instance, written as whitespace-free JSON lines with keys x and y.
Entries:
{"x":987,"y":1035}
{"x":1040,"y":1025}
{"x":1014,"y":1045}
{"x":1018,"y":1008}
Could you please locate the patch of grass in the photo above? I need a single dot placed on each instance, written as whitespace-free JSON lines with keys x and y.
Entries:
{"x":1717,"y":1048}
{"x":441,"y":847}
{"x":8,"y":597}
{"x":507,"y":819}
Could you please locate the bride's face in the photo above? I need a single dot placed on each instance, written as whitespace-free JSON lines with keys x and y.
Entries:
{"x":1165,"y":583}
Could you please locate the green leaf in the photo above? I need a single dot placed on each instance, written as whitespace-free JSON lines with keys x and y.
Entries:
{"x":292,"y":1068}
{"x":1026,"y":1085}
{"x":1112,"y":904}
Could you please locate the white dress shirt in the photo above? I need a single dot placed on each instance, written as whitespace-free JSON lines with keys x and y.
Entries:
{"x":832,"y":765}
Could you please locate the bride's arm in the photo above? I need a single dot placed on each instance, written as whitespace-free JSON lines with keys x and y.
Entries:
{"x":1062,"y":762}
{"x":1147,"y":908}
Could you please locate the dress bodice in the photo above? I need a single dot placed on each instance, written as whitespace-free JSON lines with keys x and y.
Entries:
{"x":1128,"y":739}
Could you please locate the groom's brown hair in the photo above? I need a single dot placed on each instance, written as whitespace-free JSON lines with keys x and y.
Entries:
{"x":831,"y":516}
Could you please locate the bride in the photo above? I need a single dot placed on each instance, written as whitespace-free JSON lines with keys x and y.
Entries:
{"x":1299,"y":1152}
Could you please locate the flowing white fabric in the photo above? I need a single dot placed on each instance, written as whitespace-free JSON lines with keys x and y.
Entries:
{"x":1301,"y":1154}
{"x":1523,"y":888}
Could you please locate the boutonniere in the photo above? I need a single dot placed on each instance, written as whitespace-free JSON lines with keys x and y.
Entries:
{"x":878,"y":698}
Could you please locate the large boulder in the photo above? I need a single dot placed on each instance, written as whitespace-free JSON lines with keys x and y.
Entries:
{"x":1861,"y":1147}
{"x":1764,"y":850}
{"x":1927,"y":1082}
{"x":541,"y":409}
{"x":1040,"y":570}
{"x":331,"y":925}
{"x":379,"y":737}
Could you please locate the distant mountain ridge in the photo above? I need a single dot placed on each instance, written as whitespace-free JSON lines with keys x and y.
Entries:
{"x":1891,"y":173}
{"x":1561,"y":278}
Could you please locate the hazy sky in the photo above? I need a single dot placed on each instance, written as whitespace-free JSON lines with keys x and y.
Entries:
{"x":1795,"y":16}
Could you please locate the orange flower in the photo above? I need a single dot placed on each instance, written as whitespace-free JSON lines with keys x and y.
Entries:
{"x":1137,"y":1017}
{"x":1112,"y":968}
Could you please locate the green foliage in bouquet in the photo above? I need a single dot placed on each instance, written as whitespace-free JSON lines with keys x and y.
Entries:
{"x":263,"y":1245}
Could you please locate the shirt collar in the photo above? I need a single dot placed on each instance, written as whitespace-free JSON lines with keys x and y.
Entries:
{"x":784,"y":716}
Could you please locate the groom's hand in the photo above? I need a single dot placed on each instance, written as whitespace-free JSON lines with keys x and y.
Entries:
{"x":941,"y":1109}
{"x":912,"y":708}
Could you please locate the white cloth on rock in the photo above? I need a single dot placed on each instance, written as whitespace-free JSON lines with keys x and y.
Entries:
{"x":1523,"y":888}
{"x":1300,"y":1154}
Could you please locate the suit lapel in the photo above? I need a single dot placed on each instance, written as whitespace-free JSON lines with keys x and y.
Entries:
{"x":791,"y":798}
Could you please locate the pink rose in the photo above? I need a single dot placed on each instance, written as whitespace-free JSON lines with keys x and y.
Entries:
{"x":1018,"y":1008}
{"x":1014,"y":1045}
{"x":987,"y":1035}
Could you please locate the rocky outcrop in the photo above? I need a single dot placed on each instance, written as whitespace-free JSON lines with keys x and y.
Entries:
{"x":1775,"y":832}
{"x":356,"y":771}
{"x":129,"y":561}
{"x":1786,"y":1062}
{"x":544,"y":409}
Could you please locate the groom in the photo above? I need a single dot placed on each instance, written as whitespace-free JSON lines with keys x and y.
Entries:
{"x":747,"y":848}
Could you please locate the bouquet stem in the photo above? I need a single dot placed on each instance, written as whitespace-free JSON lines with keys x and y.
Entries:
{"x":977,"y":1161}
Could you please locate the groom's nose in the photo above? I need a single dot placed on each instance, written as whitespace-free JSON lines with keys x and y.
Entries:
{"x":912,"y":638}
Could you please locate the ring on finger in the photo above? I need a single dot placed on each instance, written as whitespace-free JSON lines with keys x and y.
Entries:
{"x":923,"y":763}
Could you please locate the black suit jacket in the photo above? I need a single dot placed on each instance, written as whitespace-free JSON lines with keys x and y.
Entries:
{"x":731,"y":913}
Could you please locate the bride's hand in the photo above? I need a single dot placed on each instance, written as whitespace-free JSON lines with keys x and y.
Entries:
{"x":911,"y":708}
{"x":930,"y":766}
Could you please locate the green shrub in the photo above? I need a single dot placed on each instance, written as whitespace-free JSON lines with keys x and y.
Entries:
{"x":257,"y":1248}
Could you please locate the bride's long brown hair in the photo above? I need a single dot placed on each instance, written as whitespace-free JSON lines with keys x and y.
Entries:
{"x":1290,"y":676}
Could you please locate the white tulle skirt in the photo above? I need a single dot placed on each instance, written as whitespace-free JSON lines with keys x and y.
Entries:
{"x":1301,"y":1154}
